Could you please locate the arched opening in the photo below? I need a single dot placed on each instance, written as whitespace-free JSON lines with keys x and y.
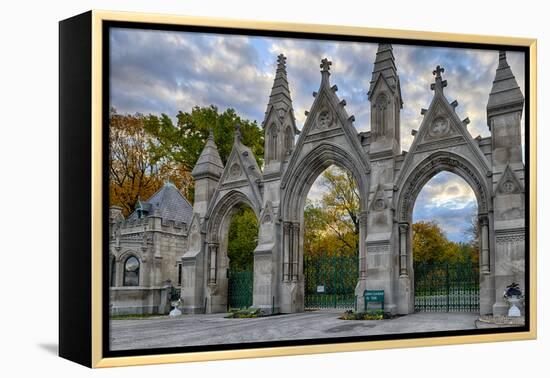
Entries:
{"x":131,"y":271}
{"x":445,"y":246}
{"x":232,"y":232}
{"x":296,"y":184}
{"x":331,"y":241}
{"x":242,"y":239}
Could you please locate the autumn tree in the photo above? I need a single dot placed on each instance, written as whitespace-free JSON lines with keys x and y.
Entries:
{"x":430,"y":245}
{"x":331,"y":223}
{"x":133,"y":171}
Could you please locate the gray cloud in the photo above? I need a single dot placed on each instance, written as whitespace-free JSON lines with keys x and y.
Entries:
{"x":164,"y":72}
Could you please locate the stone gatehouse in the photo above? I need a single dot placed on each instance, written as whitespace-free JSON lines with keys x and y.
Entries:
{"x":388,"y":180}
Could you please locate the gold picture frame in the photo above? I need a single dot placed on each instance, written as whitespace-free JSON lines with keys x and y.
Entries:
{"x":89,"y":329}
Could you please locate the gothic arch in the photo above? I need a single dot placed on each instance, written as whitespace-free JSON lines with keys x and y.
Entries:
{"x":124,"y":255}
{"x":273,"y":135}
{"x":305,"y":172}
{"x":224,"y":208}
{"x":437,"y":162}
{"x":381,"y":121}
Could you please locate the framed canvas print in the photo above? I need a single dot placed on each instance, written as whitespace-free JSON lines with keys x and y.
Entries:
{"x":235,"y":189}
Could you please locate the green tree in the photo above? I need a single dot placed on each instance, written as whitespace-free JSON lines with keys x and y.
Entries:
{"x":180,"y":144}
{"x":183,"y":141}
{"x":243,"y":238}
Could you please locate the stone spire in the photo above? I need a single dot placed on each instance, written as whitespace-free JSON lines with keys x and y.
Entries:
{"x":384,"y":66}
{"x":279,"y":98}
{"x":209,"y":162}
{"x":505,"y":93}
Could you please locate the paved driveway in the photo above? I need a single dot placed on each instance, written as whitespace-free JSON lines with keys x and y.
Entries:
{"x":189,"y":330}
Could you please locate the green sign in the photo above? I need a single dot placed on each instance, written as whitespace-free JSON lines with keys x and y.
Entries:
{"x":376,"y":296}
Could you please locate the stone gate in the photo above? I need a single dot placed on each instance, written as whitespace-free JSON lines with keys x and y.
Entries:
{"x":388,"y":180}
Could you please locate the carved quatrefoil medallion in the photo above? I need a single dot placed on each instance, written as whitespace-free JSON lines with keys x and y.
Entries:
{"x":324,"y":120}
{"x":439,"y":127}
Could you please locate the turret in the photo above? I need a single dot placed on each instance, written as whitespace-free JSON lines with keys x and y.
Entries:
{"x":206,"y":173}
{"x":279,"y":122}
{"x":504,"y":111}
{"x":385,"y":97}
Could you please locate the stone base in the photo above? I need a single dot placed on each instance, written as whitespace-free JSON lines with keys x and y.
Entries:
{"x":405,"y":298}
{"x":192,"y":310}
{"x":500,"y":309}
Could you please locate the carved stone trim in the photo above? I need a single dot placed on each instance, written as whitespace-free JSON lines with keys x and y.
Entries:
{"x":420,"y":174}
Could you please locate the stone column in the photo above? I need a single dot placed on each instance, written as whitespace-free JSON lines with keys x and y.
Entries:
{"x":403,"y":231}
{"x":362,"y":245}
{"x":286,"y":253}
{"x":484,"y":228}
{"x":295,"y":248}
{"x":213,"y":249}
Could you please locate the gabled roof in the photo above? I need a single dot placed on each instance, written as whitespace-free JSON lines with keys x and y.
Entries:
{"x":432,"y":132}
{"x":167,"y":203}
{"x":325,"y":99}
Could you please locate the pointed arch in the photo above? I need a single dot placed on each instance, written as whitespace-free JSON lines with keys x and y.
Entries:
{"x":306,"y":171}
{"x":224,"y":207}
{"x":381,"y":120}
{"x":288,"y":139}
{"x":429,"y":167}
{"x":273,"y":135}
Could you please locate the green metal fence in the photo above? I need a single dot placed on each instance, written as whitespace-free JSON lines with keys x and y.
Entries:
{"x":446,"y":287}
{"x":330,"y":281}
{"x":240,"y":288}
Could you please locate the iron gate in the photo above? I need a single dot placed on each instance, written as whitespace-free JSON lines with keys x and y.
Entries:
{"x":240,"y":288}
{"x":446,"y":287}
{"x":330,"y":281}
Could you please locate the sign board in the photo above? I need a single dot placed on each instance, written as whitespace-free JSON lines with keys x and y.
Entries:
{"x":374,"y":296}
{"x":320,"y":288}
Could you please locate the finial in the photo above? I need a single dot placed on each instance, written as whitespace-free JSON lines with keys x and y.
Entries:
{"x":325,"y":65}
{"x":237,"y":132}
{"x":439,"y":82}
{"x":211,"y":133}
{"x":438,"y":71}
{"x":281,"y":59}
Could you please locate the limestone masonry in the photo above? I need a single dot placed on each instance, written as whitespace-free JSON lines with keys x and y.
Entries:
{"x":167,"y":242}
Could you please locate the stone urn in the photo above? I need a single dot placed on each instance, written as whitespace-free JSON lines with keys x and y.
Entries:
{"x":514,"y":297}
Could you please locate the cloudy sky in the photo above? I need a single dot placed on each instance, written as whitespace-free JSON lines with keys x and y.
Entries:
{"x":164,"y":72}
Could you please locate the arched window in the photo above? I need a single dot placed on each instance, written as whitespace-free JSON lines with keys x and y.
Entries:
{"x":272,"y":134}
{"x":288,"y":139}
{"x":131,"y":271}
{"x":381,"y":117}
{"x":112,"y":281}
